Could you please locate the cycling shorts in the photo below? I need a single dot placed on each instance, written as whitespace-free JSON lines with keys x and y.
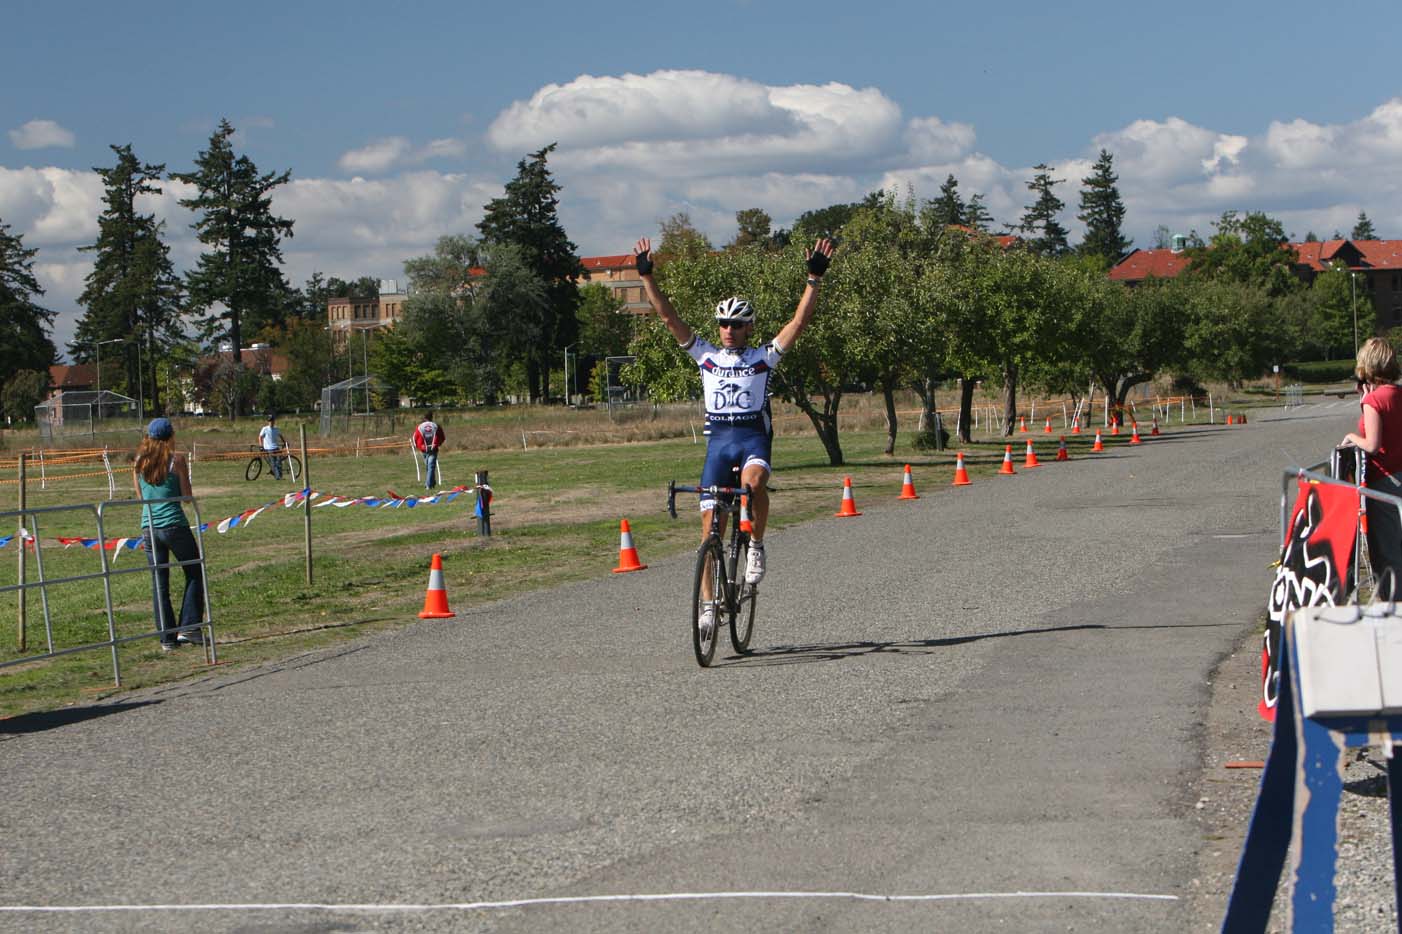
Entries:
{"x":732,"y":447}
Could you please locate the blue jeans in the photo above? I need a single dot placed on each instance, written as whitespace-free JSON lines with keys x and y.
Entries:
{"x":1385,"y":535}
{"x":161,"y":545}
{"x":275,"y":461}
{"x":430,"y":469}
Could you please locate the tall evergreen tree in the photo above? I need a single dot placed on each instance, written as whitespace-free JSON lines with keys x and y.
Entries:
{"x":526,"y":216}
{"x":1363,"y":229}
{"x":1103,"y":212}
{"x":1045,"y":234}
{"x":24,"y":324}
{"x":948,"y":209}
{"x":976,"y":215}
{"x":132,"y":292}
{"x":241,"y":269}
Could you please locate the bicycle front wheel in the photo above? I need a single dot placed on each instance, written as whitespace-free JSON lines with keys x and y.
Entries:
{"x":709,"y":563}
{"x":254,"y":468}
{"x":742,"y":621}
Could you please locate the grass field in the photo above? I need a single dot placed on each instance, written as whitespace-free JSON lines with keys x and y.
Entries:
{"x":556,"y":519}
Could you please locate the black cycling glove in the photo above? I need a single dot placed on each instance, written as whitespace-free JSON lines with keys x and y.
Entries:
{"x":644,"y":263}
{"x":818,"y":263}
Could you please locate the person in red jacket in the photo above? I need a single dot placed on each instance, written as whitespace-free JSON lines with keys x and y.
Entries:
{"x":428,"y":438}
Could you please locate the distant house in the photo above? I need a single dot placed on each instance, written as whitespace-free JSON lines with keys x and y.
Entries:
{"x":71,"y":376}
{"x":1376,"y":263}
{"x":620,"y":274}
{"x":1139,"y":265}
{"x":260,"y":358}
{"x":1004,"y":240}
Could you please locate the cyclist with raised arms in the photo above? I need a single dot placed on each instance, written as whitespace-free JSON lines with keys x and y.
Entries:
{"x":735,"y":384}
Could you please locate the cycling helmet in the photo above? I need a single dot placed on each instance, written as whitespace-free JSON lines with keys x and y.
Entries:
{"x":735,"y":309}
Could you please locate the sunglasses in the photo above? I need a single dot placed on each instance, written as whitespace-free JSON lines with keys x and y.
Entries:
{"x":731,"y":322}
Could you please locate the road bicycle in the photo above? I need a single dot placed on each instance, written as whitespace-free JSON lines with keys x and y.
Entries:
{"x":729,"y":597}
{"x":290,"y":463}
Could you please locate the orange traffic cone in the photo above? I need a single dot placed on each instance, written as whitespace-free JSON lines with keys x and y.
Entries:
{"x":436,"y":599}
{"x":1097,"y":446}
{"x":849,"y":505}
{"x":746,"y":525}
{"x":1114,"y":426}
{"x":1076,"y":425}
{"x":1134,"y":438}
{"x":1061,"y":453}
{"x":908,"y":486}
{"x":1007,"y":467}
{"x":1031,"y":460}
{"x":1155,"y":432}
{"x":627,"y":554}
{"x":1229,"y":419}
{"x":1047,"y":430}
{"x":961,"y":476}
{"x":1022,"y":424}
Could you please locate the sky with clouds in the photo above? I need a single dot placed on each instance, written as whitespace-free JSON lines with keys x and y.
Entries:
{"x":399,"y":122}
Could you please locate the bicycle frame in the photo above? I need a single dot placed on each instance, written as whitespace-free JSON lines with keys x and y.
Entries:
{"x":727,"y":500}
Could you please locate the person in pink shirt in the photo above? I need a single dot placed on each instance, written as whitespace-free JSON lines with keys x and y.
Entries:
{"x":1379,"y":436}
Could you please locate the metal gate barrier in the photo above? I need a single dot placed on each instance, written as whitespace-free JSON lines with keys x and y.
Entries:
{"x":30,"y":536}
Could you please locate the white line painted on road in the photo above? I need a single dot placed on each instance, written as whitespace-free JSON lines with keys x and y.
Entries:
{"x":580,"y":900}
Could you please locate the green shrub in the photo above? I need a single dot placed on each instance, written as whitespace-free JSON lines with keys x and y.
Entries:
{"x":1319,"y":371}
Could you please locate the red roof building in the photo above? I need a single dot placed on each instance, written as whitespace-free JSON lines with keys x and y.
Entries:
{"x":1376,"y":264}
{"x":621,"y":276}
{"x":72,"y":376}
{"x":1143,"y":264}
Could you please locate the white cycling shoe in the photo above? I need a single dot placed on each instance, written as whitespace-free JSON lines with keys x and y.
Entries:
{"x":707,"y":623}
{"x":754,"y":564}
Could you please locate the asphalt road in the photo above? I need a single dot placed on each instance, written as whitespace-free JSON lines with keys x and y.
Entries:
{"x":987,"y":700}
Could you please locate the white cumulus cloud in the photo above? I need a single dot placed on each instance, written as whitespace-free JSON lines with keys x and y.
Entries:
{"x":381,"y":155}
{"x":696,"y":123}
{"x":41,"y":134}
{"x":930,"y":139}
{"x":376,"y":157}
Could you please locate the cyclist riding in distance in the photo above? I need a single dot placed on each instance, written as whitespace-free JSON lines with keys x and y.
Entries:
{"x":735,"y":383}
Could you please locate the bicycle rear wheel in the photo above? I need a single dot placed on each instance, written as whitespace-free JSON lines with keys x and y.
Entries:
{"x":254,"y":468}
{"x":742,"y":621}
{"x":704,"y":642}
{"x":295,"y":465}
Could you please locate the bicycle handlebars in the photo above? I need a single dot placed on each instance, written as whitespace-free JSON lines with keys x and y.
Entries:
{"x":673,"y":488}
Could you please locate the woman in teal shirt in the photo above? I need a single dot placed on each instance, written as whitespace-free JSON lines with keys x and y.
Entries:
{"x":162,"y":473}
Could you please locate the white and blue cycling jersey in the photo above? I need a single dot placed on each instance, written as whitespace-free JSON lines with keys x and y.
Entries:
{"x":735,"y":384}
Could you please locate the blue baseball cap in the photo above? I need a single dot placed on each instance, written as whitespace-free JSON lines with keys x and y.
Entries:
{"x":160,"y":429}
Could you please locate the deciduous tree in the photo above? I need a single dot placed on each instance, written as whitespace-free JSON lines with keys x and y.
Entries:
{"x":755,"y":228}
{"x":681,"y":238}
{"x":1250,"y":249}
